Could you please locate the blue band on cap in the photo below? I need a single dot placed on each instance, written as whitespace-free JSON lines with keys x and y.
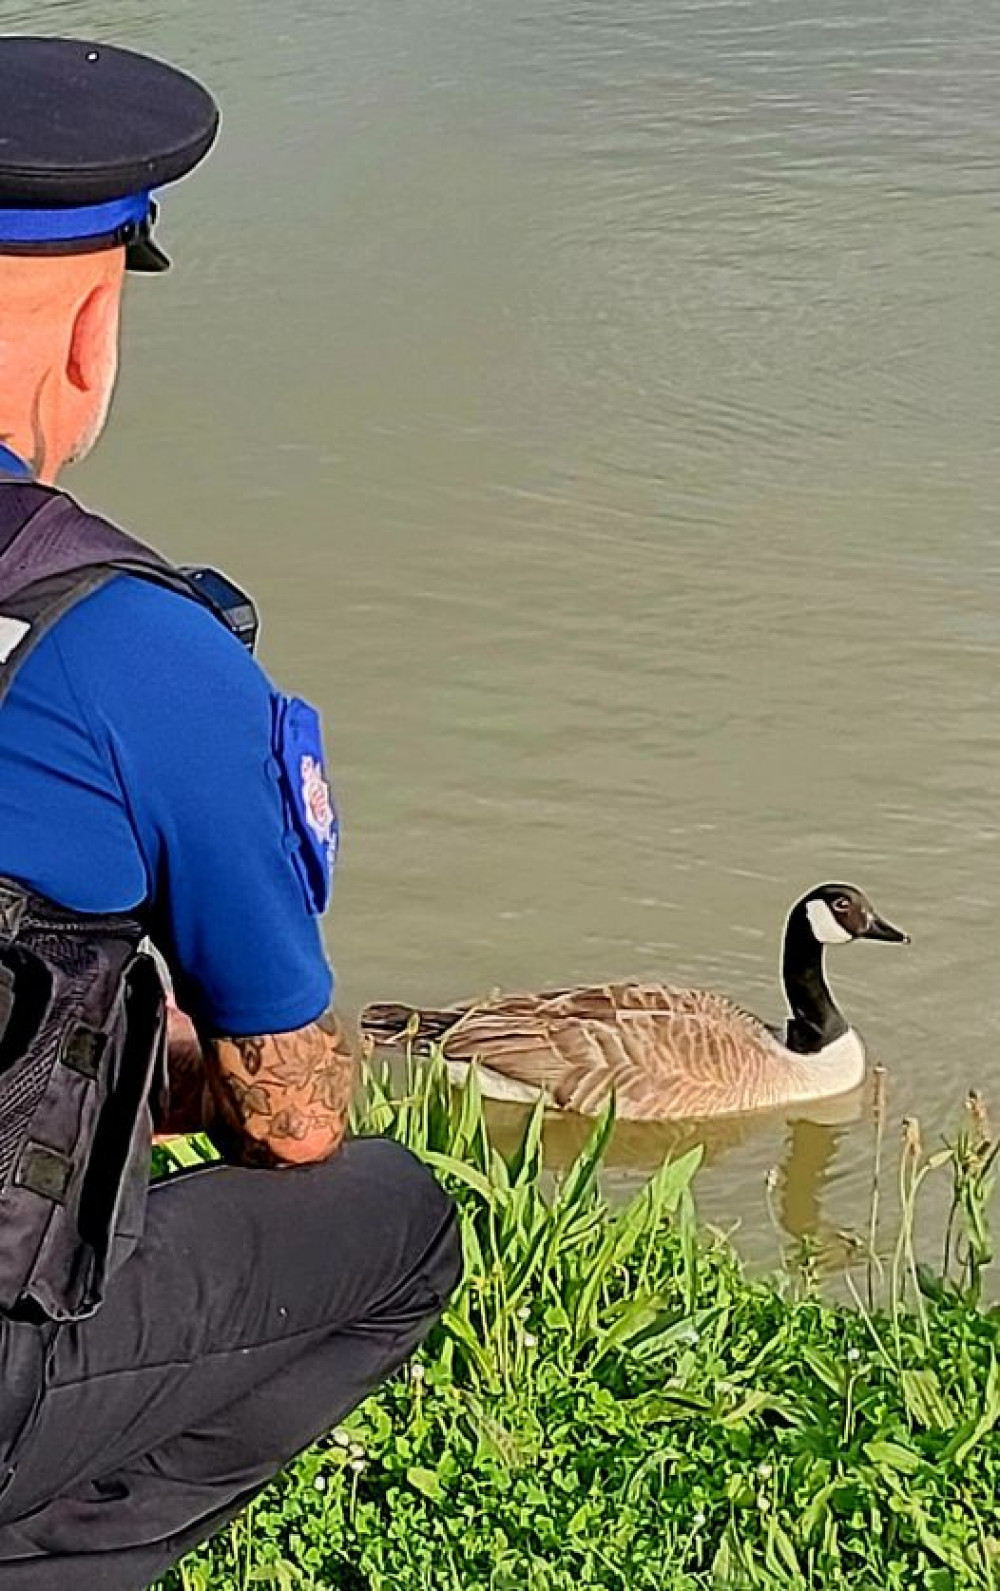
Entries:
{"x":71,"y":222}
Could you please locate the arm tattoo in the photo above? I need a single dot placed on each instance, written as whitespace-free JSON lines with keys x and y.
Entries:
{"x":282,"y":1098}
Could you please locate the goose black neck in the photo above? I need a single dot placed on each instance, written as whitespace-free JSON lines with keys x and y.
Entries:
{"x":816,"y":1020}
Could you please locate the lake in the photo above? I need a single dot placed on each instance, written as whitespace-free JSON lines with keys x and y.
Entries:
{"x":600,"y":397}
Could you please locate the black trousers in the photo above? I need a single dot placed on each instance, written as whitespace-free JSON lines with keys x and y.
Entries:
{"x":261,"y":1307}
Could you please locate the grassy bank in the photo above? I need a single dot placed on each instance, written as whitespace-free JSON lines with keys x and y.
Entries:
{"x":612,"y":1402}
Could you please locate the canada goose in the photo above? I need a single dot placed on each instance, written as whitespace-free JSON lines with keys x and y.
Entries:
{"x":665,"y":1053}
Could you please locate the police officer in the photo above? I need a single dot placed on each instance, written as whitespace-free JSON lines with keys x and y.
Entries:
{"x":154,"y":1376}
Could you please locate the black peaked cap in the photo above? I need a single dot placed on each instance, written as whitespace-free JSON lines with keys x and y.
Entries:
{"x":84,"y":123}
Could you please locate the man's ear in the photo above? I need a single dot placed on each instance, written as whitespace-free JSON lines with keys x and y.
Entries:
{"x":95,"y":332}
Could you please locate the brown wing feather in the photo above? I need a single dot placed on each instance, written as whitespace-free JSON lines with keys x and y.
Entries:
{"x":665,"y":1052}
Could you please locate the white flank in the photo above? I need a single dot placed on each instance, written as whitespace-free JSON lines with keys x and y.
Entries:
{"x":837,"y":1069}
{"x":824,"y":924}
{"x":12,"y":632}
{"x":492,"y":1085}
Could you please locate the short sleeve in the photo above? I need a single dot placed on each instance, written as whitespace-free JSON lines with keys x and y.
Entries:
{"x":193,"y":726}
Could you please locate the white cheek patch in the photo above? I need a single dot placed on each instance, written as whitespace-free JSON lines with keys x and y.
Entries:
{"x":824,"y":924}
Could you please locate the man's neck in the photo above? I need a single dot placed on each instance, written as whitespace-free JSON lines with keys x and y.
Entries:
{"x":27,"y":418}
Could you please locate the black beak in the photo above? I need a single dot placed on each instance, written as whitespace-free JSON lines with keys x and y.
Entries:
{"x":878,"y":928}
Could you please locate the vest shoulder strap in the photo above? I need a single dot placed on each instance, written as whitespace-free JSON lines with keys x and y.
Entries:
{"x":53,"y":553}
{"x":45,"y":532}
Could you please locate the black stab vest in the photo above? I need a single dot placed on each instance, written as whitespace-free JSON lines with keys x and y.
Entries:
{"x":82,"y":1012}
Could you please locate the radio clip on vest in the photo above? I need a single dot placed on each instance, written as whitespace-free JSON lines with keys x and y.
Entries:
{"x":232,"y":604}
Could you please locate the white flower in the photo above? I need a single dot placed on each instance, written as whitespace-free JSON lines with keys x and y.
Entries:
{"x":320,"y":1483}
{"x":764,"y":1471}
{"x":417,"y":1372}
{"x":357,"y":1465}
{"x":529,"y":1340}
{"x":356,"y":1450}
{"x":341,"y":1439}
{"x":698,"y":1520}
{"x":524,"y":1312}
{"x":853,"y":1355}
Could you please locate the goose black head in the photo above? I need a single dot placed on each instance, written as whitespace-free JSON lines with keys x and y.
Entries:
{"x":837,"y":913}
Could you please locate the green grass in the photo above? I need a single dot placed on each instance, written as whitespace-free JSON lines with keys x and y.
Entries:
{"x":611,"y":1401}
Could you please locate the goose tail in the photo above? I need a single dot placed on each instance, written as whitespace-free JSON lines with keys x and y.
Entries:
{"x":404,"y":1024}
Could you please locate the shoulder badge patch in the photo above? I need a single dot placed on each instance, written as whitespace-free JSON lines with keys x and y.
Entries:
{"x":311,"y":826}
{"x":317,"y":801}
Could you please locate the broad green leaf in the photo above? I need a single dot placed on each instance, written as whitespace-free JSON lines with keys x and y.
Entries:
{"x":476,"y":1353}
{"x":817,"y":1509}
{"x":972,"y":1433}
{"x":659,"y":1198}
{"x":895,"y":1456}
{"x":939,"y":1547}
{"x":478,"y":1181}
{"x":470,"y":1137}
{"x":753,"y":1403}
{"x":582,"y":1173}
{"x":283,"y":1575}
{"x":637,"y":1317}
{"x":526,"y":1161}
{"x":600,"y":1270}
{"x":825,"y":1368}
{"x":426,"y":1481}
{"x":499,"y":1175}
{"x":475,"y":1265}
{"x":925,"y":1401}
{"x":780,"y":1555}
{"x":722,"y":1564}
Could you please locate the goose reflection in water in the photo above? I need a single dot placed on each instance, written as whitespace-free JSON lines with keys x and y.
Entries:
{"x":805,"y":1161}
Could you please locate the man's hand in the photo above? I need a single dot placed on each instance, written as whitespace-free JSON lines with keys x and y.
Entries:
{"x":190,"y":1106}
{"x":281,"y":1099}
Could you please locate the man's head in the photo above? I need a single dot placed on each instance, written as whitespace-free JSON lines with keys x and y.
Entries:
{"x":87,"y":131}
{"x":59,"y":320}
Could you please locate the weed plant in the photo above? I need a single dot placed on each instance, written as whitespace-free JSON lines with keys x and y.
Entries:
{"x":612,"y":1402}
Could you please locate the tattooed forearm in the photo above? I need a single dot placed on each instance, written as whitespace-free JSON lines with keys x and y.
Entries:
{"x":282,"y":1099}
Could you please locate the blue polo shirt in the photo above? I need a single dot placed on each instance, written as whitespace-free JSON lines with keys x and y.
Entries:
{"x":141,"y":766}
